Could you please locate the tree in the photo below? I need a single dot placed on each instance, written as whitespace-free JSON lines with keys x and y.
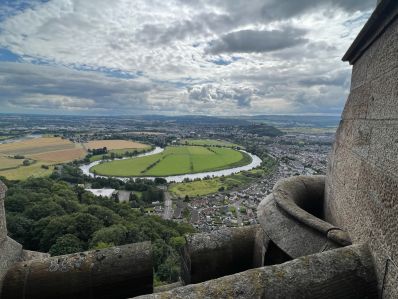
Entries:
{"x":19,"y":227}
{"x":104,"y":214}
{"x":66,"y":244}
{"x":170,"y":270}
{"x":115,"y":234}
{"x":133,"y":197}
{"x":84,"y":225}
{"x":49,"y":229}
{"x":44,"y":209}
{"x":160,"y":181}
{"x":177,"y":242}
{"x":26,"y":162}
{"x":17,"y":202}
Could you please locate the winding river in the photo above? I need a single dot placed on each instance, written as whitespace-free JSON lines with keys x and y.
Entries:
{"x":256,"y":161}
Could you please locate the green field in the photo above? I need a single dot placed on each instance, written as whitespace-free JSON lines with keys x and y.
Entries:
{"x":204,"y":187}
{"x":24,"y":172}
{"x":208,"y":142}
{"x":119,"y":152}
{"x":175,"y":160}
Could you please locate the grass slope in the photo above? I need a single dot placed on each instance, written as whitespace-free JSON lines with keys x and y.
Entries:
{"x":175,"y":160}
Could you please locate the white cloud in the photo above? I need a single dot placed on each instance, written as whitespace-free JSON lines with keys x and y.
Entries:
{"x":212,"y":57}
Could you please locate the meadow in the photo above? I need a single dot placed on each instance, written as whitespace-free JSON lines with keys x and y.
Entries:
{"x":36,"y":169}
{"x":213,"y":185}
{"x":47,"y":151}
{"x":175,"y":160}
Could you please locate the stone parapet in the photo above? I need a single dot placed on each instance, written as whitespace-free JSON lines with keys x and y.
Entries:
{"x":116,"y":272}
{"x":345,"y":273}
{"x":3,"y":225}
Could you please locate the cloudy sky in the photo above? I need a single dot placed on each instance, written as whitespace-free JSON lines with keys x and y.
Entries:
{"x":214,"y":57}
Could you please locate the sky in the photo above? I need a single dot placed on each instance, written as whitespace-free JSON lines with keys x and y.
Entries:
{"x":177,"y":57}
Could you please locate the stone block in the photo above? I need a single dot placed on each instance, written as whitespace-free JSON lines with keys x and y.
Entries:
{"x":384,"y":145}
{"x":356,"y":106}
{"x":384,"y":52}
{"x":222,"y":252}
{"x":360,"y":69}
{"x":11,"y":252}
{"x":383,"y":103}
{"x":116,"y":272}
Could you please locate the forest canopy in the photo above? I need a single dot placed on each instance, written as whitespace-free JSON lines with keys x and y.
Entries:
{"x":51,"y":216}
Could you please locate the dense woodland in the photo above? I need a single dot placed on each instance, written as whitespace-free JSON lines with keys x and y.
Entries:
{"x":50,"y":215}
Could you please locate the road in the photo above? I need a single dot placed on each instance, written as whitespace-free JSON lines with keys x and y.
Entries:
{"x":168,"y":206}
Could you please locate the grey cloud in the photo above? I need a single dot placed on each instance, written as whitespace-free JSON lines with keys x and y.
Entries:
{"x":204,"y":23}
{"x":55,"y":87}
{"x":241,"y":96}
{"x":238,"y":13}
{"x":157,"y":39}
{"x":280,"y":9}
{"x":339,"y":78}
{"x":249,"y":41}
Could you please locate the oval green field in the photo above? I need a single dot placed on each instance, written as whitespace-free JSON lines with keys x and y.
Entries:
{"x":175,"y":160}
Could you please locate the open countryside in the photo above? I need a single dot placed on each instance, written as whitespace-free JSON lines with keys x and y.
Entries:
{"x":37,"y":157}
{"x":114,"y":144}
{"x":175,"y":160}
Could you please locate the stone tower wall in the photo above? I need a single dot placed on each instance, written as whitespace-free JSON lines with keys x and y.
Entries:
{"x":361,"y":193}
{"x":3,"y":225}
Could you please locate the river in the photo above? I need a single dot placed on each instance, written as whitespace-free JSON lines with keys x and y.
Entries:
{"x":256,"y":161}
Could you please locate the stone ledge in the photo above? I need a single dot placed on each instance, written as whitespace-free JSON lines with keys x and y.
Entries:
{"x":385,"y":13}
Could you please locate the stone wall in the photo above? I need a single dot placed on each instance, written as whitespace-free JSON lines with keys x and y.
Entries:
{"x":345,"y":273}
{"x":362,"y":182}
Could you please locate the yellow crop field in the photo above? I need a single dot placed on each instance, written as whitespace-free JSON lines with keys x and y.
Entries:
{"x":60,"y":156}
{"x":41,"y":151}
{"x":36,"y":146}
{"x":7,"y":163}
{"x":114,"y":144}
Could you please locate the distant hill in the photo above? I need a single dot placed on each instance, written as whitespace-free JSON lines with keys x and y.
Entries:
{"x":195,"y":120}
{"x":286,"y":121}
{"x":263,"y":130}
